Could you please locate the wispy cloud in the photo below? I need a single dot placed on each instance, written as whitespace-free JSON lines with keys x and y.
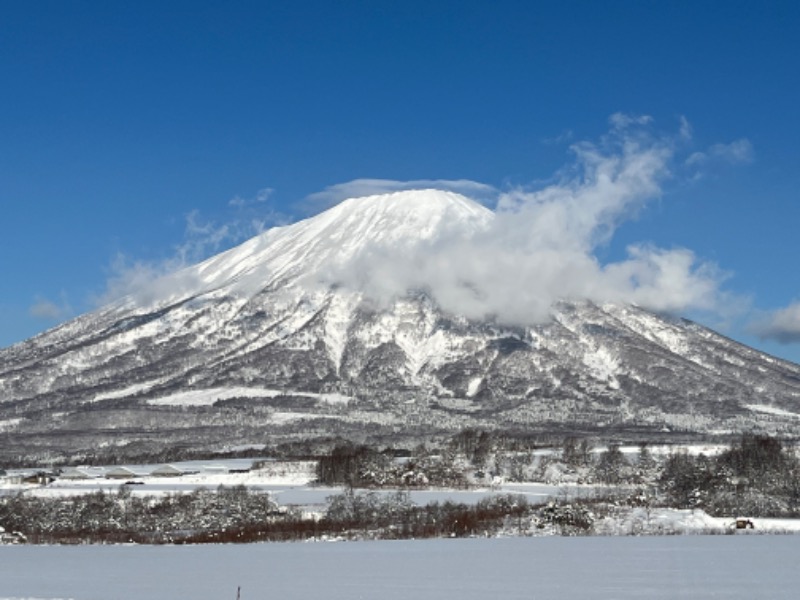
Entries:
{"x":147,"y":281}
{"x":260,"y":197}
{"x":685,"y":132}
{"x":138,"y":279}
{"x":564,"y":137}
{"x":48,"y":310}
{"x":358,"y":188}
{"x":737,"y":152}
{"x":624,"y":121}
{"x":781,"y":325}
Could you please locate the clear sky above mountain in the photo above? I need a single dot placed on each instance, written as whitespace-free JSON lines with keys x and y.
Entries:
{"x":140,"y":137}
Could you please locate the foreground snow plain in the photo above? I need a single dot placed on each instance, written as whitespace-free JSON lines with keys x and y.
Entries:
{"x":731,"y":567}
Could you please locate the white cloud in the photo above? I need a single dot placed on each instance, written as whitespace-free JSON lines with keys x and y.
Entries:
{"x":539,"y":248}
{"x":261,"y":196}
{"x":737,"y":152}
{"x":42,"y":308}
{"x":564,"y":137}
{"x":203,"y":238}
{"x":357,"y":188}
{"x":782,"y":325}
{"x":141,"y":280}
{"x":685,"y":132}
{"x":621,"y":121}
{"x":740,"y":151}
{"x":541,"y":245}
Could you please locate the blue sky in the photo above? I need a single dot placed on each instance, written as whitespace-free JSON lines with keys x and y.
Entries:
{"x":138,"y":136}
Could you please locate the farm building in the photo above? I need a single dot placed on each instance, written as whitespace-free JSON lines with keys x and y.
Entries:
{"x":76,"y":473}
{"x":167,"y":471}
{"x":122,"y":473}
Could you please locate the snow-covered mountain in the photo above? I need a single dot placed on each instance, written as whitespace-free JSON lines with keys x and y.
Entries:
{"x":298,"y":334}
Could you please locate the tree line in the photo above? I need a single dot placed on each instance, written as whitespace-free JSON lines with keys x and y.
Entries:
{"x":757,"y":476}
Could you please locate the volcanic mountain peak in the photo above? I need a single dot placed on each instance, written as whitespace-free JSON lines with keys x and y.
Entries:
{"x":392,"y":223}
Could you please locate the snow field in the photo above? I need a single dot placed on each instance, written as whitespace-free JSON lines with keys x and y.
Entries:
{"x":601,"y":568}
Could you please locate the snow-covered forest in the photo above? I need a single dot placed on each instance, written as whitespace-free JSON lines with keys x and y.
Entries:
{"x":374,"y":494}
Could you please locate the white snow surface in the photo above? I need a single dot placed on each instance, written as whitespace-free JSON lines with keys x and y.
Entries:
{"x":603,"y":364}
{"x":551,"y":568}
{"x":207,"y":397}
{"x":7,"y":424}
{"x":771,"y":410}
{"x":125,"y":392}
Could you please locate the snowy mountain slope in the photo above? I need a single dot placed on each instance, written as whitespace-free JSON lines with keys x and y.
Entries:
{"x":276,"y":338}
